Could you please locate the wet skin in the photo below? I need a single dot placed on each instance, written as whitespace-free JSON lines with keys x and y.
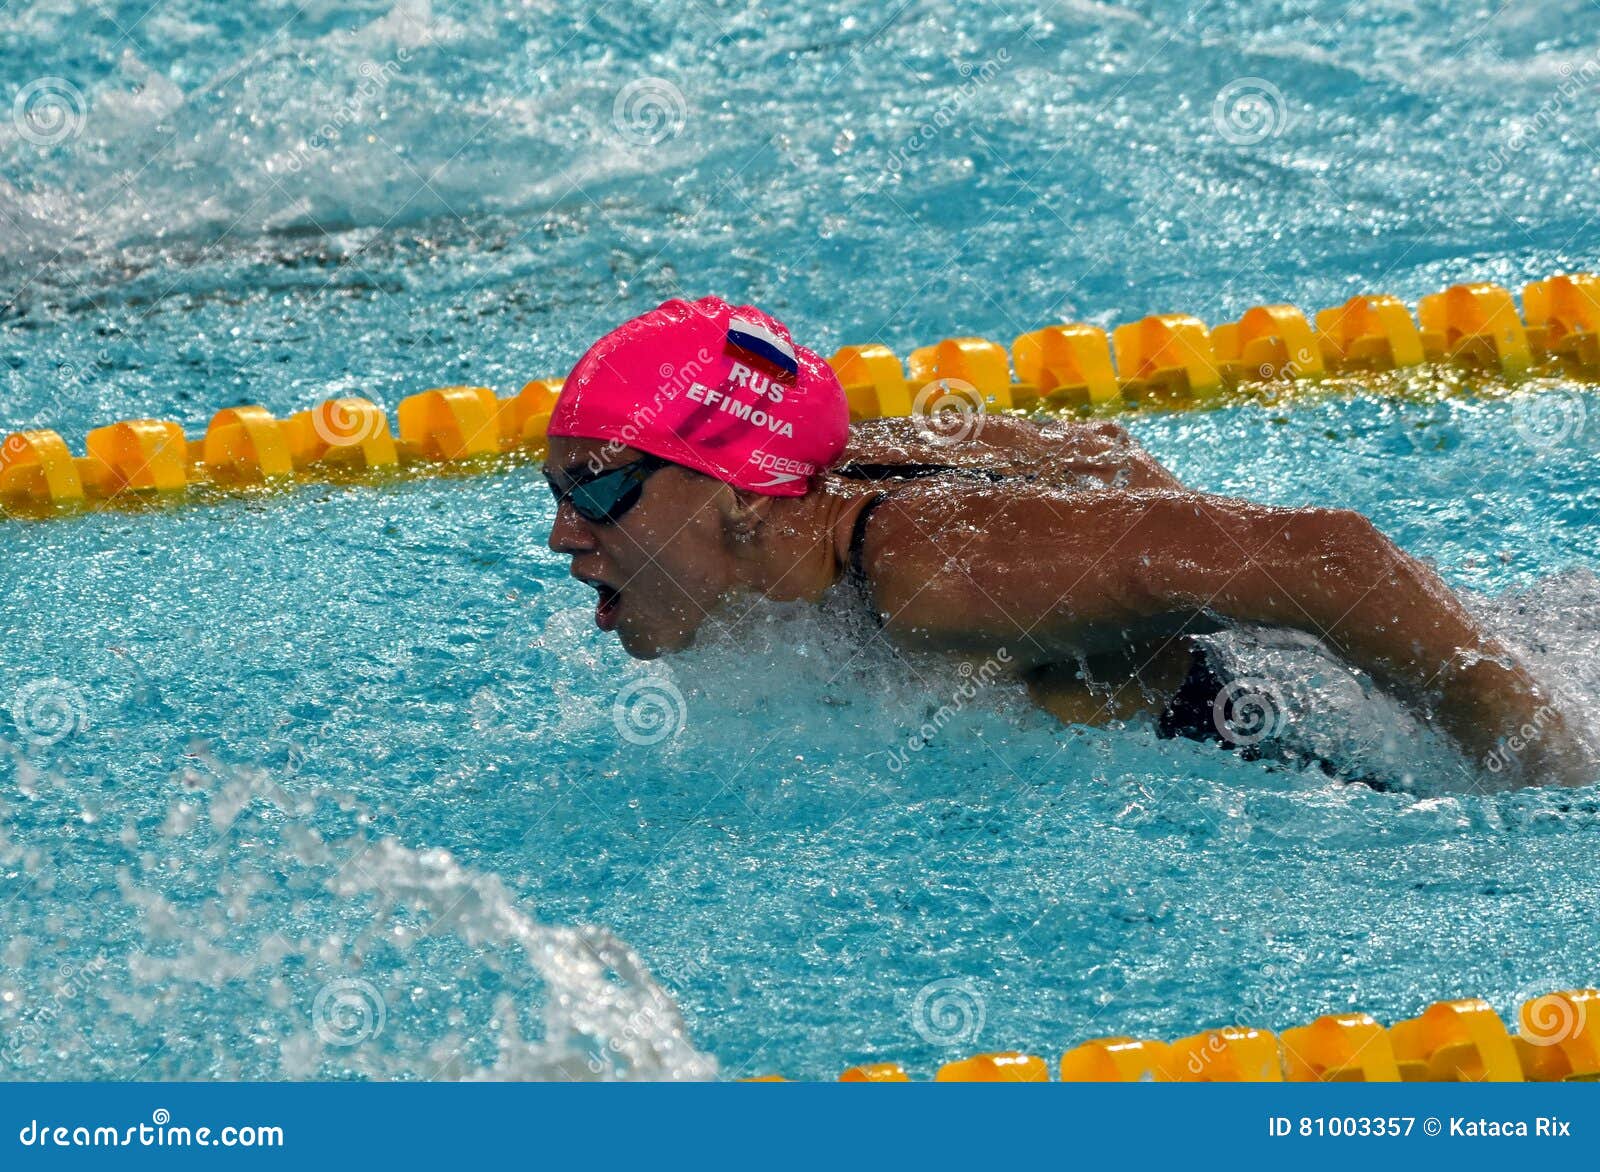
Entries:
{"x":1064,"y":454}
{"x":1088,"y":575}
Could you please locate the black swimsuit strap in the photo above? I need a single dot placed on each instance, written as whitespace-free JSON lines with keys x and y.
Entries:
{"x":857,"y":471}
{"x":854,"y":571}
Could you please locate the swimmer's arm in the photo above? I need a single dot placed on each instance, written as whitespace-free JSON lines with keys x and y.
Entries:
{"x":1045,"y":572}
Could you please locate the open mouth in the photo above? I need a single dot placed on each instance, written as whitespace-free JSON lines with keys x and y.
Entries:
{"x":605,"y":610}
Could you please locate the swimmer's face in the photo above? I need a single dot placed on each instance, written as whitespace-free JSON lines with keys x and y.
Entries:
{"x":662,"y":566}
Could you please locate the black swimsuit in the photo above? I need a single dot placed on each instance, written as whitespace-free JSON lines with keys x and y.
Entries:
{"x":1192,"y":713}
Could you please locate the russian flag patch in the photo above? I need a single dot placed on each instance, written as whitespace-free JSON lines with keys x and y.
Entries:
{"x":758,"y":339}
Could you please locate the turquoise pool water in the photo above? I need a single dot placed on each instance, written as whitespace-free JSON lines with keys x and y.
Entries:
{"x":333,"y":783}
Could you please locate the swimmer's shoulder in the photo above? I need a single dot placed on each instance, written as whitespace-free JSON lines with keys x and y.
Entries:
{"x":908,"y":540}
{"x":955,"y":562}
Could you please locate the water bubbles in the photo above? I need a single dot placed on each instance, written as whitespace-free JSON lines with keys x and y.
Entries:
{"x":285,"y":962}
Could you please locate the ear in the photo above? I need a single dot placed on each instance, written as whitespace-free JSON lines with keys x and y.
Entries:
{"x":746,"y":512}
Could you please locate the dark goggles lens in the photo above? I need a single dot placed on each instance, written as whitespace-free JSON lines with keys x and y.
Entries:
{"x":603,"y":499}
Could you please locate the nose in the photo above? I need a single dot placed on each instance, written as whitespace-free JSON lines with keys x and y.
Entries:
{"x":570,"y":533}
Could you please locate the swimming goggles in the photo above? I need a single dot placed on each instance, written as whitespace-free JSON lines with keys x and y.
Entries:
{"x":602,"y":498}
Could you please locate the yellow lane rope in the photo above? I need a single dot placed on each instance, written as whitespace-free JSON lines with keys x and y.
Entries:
{"x":1166,"y":361}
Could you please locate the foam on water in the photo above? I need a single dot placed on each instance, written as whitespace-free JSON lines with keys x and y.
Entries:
{"x":245,"y":942}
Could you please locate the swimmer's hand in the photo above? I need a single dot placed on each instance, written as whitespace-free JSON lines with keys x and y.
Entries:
{"x":1526,"y":737}
{"x":1053,"y":576}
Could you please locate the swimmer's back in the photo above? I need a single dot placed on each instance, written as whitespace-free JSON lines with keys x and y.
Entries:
{"x":1061,"y":453}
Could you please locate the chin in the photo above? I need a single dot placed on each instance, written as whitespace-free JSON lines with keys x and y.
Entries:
{"x":648,"y":645}
{"x":638,"y":647}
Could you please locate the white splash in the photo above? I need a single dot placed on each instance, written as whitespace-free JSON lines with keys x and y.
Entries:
{"x":248,"y":944}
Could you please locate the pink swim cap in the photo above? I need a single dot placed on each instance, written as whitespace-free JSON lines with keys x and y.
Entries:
{"x":721,"y":389}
